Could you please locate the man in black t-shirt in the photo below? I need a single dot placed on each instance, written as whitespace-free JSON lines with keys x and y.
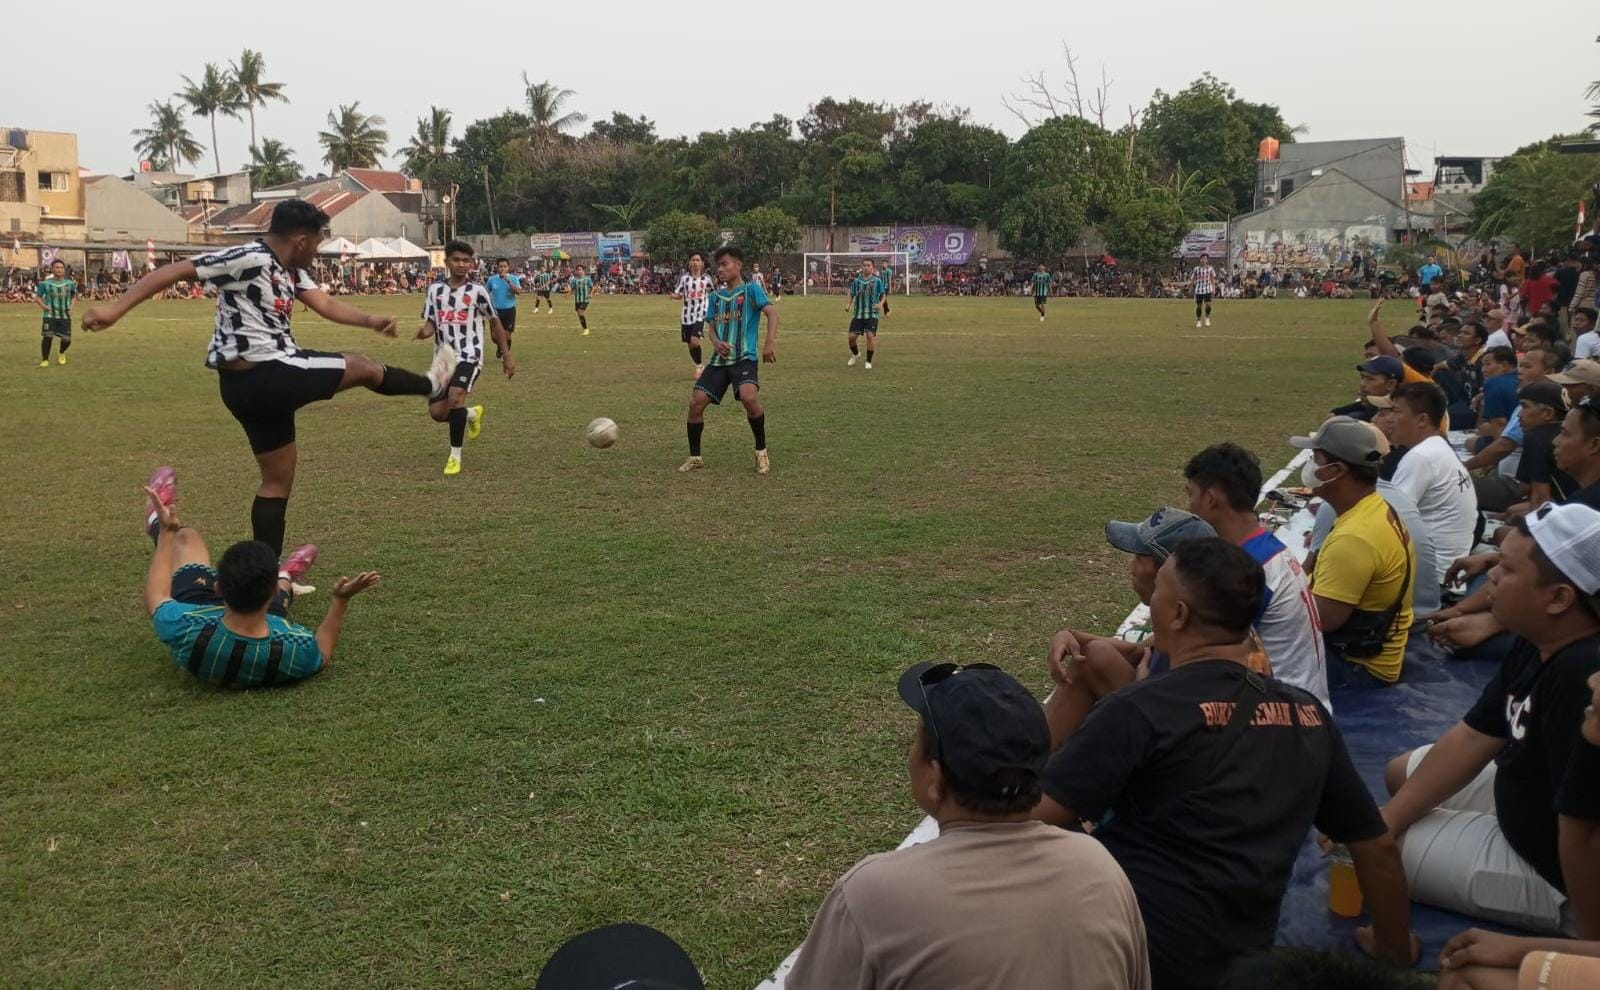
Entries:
{"x":1500,"y":819}
{"x":1577,"y":450}
{"x":1544,"y":406}
{"x":1206,"y":813}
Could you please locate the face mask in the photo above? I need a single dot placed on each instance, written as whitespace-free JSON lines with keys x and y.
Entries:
{"x":1308,"y":475}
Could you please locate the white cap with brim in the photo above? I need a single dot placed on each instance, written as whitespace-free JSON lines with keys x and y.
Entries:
{"x":1570,"y":536}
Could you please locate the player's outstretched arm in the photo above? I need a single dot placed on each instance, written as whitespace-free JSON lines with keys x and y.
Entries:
{"x":158,"y":580}
{"x":333,"y":622}
{"x":333,"y":310}
{"x":769,"y":350}
{"x":426,"y":330}
{"x":151,"y":285}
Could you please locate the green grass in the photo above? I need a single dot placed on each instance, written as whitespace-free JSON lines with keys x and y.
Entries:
{"x":590,"y":689}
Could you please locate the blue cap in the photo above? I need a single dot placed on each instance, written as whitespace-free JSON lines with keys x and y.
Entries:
{"x":1159,"y":535}
{"x":1389,"y":367}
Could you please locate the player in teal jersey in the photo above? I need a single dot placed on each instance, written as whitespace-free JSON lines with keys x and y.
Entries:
{"x":581,"y":285}
{"x":1041,"y":290}
{"x":886,"y":276}
{"x":866,"y":297}
{"x":55,"y":295}
{"x":733,"y":315}
{"x":542,"y":281}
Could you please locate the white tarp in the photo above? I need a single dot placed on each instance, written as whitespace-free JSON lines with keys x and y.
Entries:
{"x":404,"y":248}
{"x":373,"y":249}
{"x":338,"y":246}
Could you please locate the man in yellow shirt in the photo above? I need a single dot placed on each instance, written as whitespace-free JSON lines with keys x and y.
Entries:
{"x":1364,"y":573}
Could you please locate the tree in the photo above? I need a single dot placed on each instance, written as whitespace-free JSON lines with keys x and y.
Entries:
{"x":1076,"y":155}
{"x":480,"y":146}
{"x":546,"y":100}
{"x":763,"y":231}
{"x":625,"y":129}
{"x":213,"y":94}
{"x":944,"y":169}
{"x":673,"y":236}
{"x":1533,"y":196}
{"x":1144,"y":229}
{"x":1043,"y":226}
{"x":620,"y":215}
{"x":272,"y":164}
{"x":1206,"y":128}
{"x":167,"y":142}
{"x":353,"y":139}
{"x":252,"y":90}
{"x":429,"y":149}
{"x":1197,"y":199}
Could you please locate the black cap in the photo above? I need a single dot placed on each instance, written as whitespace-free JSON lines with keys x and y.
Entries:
{"x":632,"y":956}
{"x":1544,"y":392}
{"x":986,"y":721}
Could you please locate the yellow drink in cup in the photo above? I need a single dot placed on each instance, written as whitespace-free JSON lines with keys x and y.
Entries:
{"x":1344,"y":891}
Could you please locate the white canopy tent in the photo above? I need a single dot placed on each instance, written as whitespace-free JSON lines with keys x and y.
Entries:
{"x":405,"y":249}
{"x":335,"y":246}
{"x":373,"y":249}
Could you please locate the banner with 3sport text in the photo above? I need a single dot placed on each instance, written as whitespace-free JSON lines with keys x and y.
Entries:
{"x":928,"y":244}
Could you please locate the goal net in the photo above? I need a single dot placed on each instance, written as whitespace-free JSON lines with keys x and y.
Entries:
{"x":830,"y":272}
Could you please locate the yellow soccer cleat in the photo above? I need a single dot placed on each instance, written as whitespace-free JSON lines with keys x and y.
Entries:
{"x":763,"y":463}
{"x":45,"y":363}
{"x":61,"y":359}
{"x":692,"y":464}
{"x":475,"y":424}
{"x":452,"y":466}
{"x":585,"y":332}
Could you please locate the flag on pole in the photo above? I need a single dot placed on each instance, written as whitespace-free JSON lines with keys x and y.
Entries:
{"x":120,"y":261}
{"x":150,"y":252}
{"x":48,"y":256}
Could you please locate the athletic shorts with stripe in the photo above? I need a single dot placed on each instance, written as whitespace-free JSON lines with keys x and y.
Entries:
{"x":692,"y":331}
{"x":265,"y":396}
{"x":466,"y":375}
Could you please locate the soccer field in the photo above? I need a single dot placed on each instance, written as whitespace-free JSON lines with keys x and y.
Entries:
{"x":590,"y":689}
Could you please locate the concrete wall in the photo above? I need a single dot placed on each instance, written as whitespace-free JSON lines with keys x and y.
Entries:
{"x":54,"y":214}
{"x":119,"y":212}
{"x":1380,"y":166}
{"x":1320,"y":226}
{"x":374,"y":216}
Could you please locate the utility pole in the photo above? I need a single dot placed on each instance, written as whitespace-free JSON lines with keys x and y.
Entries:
{"x":488,"y":196}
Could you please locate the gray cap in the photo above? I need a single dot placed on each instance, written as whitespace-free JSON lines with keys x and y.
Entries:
{"x":1346,"y":439}
{"x":1159,"y":535}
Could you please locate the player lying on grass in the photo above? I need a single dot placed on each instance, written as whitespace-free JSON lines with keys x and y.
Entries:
{"x":262,"y":374}
{"x":454,"y":314}
{"x":229,"y":625}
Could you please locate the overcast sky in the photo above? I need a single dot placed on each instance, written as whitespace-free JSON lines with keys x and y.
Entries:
{"x":1467,"y":78}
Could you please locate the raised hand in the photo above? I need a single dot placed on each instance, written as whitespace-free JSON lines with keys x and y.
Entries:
{"x":348,"y":588}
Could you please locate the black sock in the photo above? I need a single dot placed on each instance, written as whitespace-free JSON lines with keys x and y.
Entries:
{"x":458,"y":426}
{"x":758,"y":426}
{"x":584,"y":322}
{"x":852,"y":348}
{"x":694,"y":353}
{"x":399,"y":381}
{"x":266,"y":521}
{"x":63,"y":344}
{"x":869,"y":355}
{"x":695,"y":429}
{"x":44,"y":348}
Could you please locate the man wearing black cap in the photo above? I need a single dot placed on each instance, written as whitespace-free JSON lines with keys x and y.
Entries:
{"x":997,"y":900}
{"x":1203,"y":783}
{"x":1543,"y":405}
{"x":1379,"y":376}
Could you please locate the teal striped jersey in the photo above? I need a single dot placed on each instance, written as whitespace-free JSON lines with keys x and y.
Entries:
{"x":1041,"y":283}
{"x":865,"y":291}
{"x":57,"y":294}
{"x":542,"y":280}
{"x":202,"y":645}
{"x":886,"y":276}
{"x":581,"y":287}
{"x":734,"y":314}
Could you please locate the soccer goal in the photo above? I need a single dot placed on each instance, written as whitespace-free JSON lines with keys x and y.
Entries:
{"x":830,"y":272}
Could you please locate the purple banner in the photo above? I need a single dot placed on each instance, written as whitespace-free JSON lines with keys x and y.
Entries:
{"x":937,"y":244}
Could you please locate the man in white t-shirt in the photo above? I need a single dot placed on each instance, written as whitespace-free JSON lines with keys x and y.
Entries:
{"x":1224,"y":483}
{"x":1498,"y":319}
{"x":1431,"y":473}
{"x":1588,"y":338}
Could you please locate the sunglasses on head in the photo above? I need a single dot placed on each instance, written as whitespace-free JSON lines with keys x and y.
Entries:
{"x":937,"y":674}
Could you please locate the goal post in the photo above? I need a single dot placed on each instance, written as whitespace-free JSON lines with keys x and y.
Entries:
{"x":829,"y":272}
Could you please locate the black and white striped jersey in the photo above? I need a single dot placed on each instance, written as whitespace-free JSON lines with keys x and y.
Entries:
{"x":255,"y":298}
{"x":459,"y":316}
{"x":695,"y":291}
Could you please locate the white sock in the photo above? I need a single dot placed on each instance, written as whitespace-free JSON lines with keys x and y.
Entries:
{"x":455,"y":452}
{"x":151,"y":521}
{"x":472,"y":414}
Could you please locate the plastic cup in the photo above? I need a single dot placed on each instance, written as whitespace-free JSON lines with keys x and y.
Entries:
{"x":1344,"y":890}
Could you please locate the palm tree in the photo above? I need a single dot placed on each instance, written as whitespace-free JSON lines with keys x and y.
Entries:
{"x":272,"y":164}
{"x":430,"y":147}
{"x":252,"y":91}
{"x":213,"y":94}
{"x":545,"y":102}
{"x":353,"y":139}
{"x":1195,"y":198}
{"x":622,"y":215}
{"x":167,"y":141}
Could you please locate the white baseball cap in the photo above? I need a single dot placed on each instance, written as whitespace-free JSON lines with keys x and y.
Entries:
{"x":1570,"y":536}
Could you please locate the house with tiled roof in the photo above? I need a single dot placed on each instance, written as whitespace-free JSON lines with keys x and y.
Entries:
{"x":354,"y":211}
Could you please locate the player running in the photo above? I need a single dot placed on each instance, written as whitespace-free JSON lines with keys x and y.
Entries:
{"x":734,"y":314}
{"x":581,"y":285}
{"x":55,"y":296}
{"x":504,"y":288}
{"x":454,"y":313}
{"x":262,"y":374}
{"x":1205,"y":284}
{"x":542,"y":281}
{"x":694,"y":288}
{"x":1041,"y":290}
{"x":866,"y":297}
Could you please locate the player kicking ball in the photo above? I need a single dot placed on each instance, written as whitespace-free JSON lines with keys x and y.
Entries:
{"x":866,"y":298}
{"x":582,"y":286}
{"x":262,"y":374}
{"x":454,"y":313}
{"x":1041,"y":290}
{"x":733,"y":312}
{"x":229,"y":625}
{"x":1205,"y":285}
{"x":694,"y":288}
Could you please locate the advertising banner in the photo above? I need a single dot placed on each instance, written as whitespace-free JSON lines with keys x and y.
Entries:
{"x":1208,"y":240}
{"x":872,"y":239}
{"x":937,"y":244}
{"x":543,"y":242}
{"x":585,"y":245}
{"x":616,"y":246}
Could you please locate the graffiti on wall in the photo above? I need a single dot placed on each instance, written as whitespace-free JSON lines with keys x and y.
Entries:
{"x":1310,"y":247}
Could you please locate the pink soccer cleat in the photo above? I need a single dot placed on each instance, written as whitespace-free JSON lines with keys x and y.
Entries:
{"x":165,"y":483}
{"x":299,"y":561}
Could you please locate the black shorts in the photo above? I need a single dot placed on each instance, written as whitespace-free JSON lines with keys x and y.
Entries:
{"x":508,"y":318}
{"x":580,"y":307}
{"x":464,"y":377}
{"x":715,"y":380}
{"x":264,"y":397}
{"x":864,"y":324}
{"x":1202,"y":297}
{"x":196,"y":584}
{"x":56,"y":326}
{"x":543,"y":294}
{"x":1040,"y":300}
{"x":693,"y":331}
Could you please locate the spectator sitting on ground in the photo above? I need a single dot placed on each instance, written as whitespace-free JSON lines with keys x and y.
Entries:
{"x":1498,"y":400}
{"x":1379,"y":376}
{"x":1224,"y":485}
{"x":1431,"y":473}
{"x":1577,"y":450}
{"x":1500,"y":819}
{"x":1499,"y":334}
{"x":1364,"y":570}
{"x":1581,"y":380}
{"x":997,"y":899}
{"x":1548,"y":335}
{"x":1203,"y":782}
{"x":1584,"y":320}
{"x":1499,"y":490}
{"x":1095,"y":665}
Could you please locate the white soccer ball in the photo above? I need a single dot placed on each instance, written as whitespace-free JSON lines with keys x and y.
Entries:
{"x":601,"y":433}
